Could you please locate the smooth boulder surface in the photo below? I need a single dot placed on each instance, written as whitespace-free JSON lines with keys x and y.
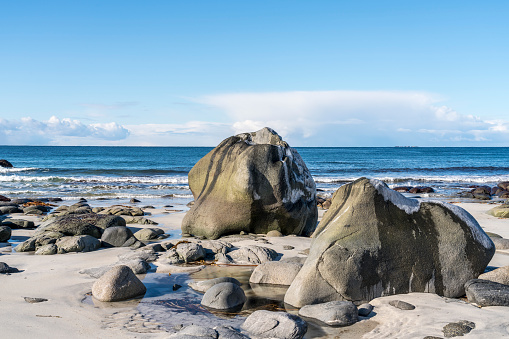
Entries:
{"x":5,"y":233}
{"x":501,"y":211}
{"x":117,"y":236}
{"x":501,"y":243}
{"x":148,"y":233}
{"x":119,"y":283}
{"x":224,"y":296}
{"x":5,"y":163}
{"x":332,"y":313}
{"x":499,"y":275}
{"x":252,"y":182}
{"x":487,"y":293}
{"x":79,"y":243}
{"x":275,"y":273}
{"x":75,"y":223}
{"x":204,"y":285}
{"x":356,"y":253}
{"x":281,"y":325}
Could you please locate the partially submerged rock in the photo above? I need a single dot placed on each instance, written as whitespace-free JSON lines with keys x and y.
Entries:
{"x":281,"y":325}
{"x":224,"y":296}
{"x":119,"y":283}
{"x":356,"y":253}
{"x":252,"y":182}
{"x":137,"y":265}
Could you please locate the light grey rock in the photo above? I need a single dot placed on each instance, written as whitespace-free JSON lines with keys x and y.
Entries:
{"x":48,"y":249}
{"x":402,"y":305}
{"x":281,"y":325}
{"x":356,"y":251}
{"x":365,"y":309}
{"x":123,"y":210}
{"x":228,"y":332}
{"x":138,"y":220}
{"x":26,"y":246}
{"x":137,"y":265}
{"x":487,"y":293}
{"x":501,"y":243}
{"x":189,"y":252}
{"x":119,"y":283}
{"x":499,"y":275}
{"x":148,"y":233}
{"x":79,"y":243}
{"x":275,"y":272}
{"x":195,"y":332}
{"x":117,"y":236}
{"x":213,"y":247}
{"x":75,"y":224}
{"x":458,"y":329}
{"x":252,"y":182}
{"x":274,"y":233}
{"x":204,"y":285}
{"x":332,"y":313}
{"x":252,"y":254}
{"x":147,"y":256}
{"x":224,"y":296}
{"x":5,"y":233}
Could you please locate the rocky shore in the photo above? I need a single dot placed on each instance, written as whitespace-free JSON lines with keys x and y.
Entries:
{"x":254,"y":257}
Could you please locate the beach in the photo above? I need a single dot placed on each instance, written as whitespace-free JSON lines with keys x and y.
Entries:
{"x":69,"y":312}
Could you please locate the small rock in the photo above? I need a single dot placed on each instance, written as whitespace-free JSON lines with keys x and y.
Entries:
{"x":458,"y":329}
{"x":281,"y":325}
{"x":333,"y":313}
{"x":195,"y":332}
{"x":5,"y":163}
{"x":487,"y":293}
{"x":34,"y":300}
{"x":18,"y":224}
{"x":190,"y":252}
{"x":401,"y":305}
{"x":48,"y":249}
{"x":224,"y":296}
{"x":79,"y":243}
{"x":365,"y":309}
{"x":6,"y":269}
{"x":119,"y":283}
{"x":204,"y":285}
{"x":274,"y":233}
{"x":5,"y":233}
{"x":288,"y":247}
{"x":148,"y":233}
{"x":176,"y":287}
{"x":499,"y":275}
{"x":134,"y":200}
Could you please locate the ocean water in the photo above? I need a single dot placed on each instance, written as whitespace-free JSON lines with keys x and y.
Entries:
{"x":155,"y":172}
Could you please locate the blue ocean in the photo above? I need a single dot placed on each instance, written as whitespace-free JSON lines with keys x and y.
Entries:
{"x":157,"y":172}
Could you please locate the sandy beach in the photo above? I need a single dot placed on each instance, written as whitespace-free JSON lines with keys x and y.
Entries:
{"x":69,"y":313}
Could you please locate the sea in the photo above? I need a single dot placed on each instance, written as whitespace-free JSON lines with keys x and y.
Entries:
{"x":92,"y":172}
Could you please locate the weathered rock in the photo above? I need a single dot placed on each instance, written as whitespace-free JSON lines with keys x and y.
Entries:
{"x":224,"y":296}
{"x":281,"y":325}
{"x":204,"y":285}
{"x":504,"y":185}
{"x":365,"y":309}
{"x":10,"y":209}
{"x":501,"y":243}
{"x":499,"y":275}
{"x":421,"y":189}
{"x":332,"y":313}
{"x":227,"y":332}
{"x":123,"y":210}
{"x":4,"y":198}
{"x":18,"y":223}
{"x":501,"y":211}
{"x":487,"y":293}
{"x":5,"y":163}
{"x":79,"y":243}
{"x":119,"y":283}
{"x":48,"y":249}
{"x":138,"y":220}
{"x":117,"y":236}
{"x":213,"y":247}
{"x":26,"y":246}
{"x":250,"y":255}
{"x":137,"y":265}
{"x":189,"y":252}
{"x":195,"y":332}
{"x":5,"y":233}
{"x":458,"y":329}
{"x":356,"y":251}
{"x":31,"y":300}
{"x":275,"y":272}
{"x":148,"y":233}
{"x":6,"y":269}
{"x":252,"y":182}
{"x":402,"y":305}
{"x":143,"y":255}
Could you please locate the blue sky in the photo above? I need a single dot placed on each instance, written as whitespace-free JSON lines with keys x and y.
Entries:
{"x":321,"y":73}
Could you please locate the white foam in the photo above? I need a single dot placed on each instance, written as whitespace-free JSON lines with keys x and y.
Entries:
{"x":405,"y":204}
{"x":137,"y":180}
{"x":17,"y":169}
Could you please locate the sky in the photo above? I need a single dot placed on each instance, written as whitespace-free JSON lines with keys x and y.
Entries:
{"x":192,"y":73}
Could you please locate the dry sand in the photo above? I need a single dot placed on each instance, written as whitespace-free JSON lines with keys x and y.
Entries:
{"x":65,"y":315}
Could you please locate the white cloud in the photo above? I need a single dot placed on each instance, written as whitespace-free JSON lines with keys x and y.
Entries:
{"x":55,"y":131}
{"x":358,"y":118}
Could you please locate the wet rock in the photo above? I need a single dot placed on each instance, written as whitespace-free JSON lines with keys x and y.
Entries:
{"x":252,"y":182}
{"x":18,"y":224}
{"x":333,"y":313}
{"x":117,"y":236}
{"x":148,"y":234}
{"x":5,"y":163}
{"x":224,"y":296}
{"x":275,"y":272}
{"x":402,"y":305}
{"x":204,"y":285}
{"x":356,"y":250}
{"x":48,"y":249}
{"x":365,"y":309}
{"x":36,"y":209}
{"x":402,"y":189}
{"x":504,"y":185}
{"x":5,"y":233}
{"x":487,"y":293}
{"x":250,"y":255}
{"x":119,"y":283}
{"x":421,"y":189}
{"x":499,"y":275}
{"x":79,"y":243}
{"x":281,"y":325}
{"x":134,"y":200}
{"x":34,"y":300}
{"x":458,"y":329}
{"x":77,"y":208}
{"x":70,"y":225}
{"x":4,"y":198}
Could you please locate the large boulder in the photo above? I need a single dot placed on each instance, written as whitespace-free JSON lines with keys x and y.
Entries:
{"x":119,"y":283}
{"x":118,"y":236}
{"x":252,"y":182}
{"x":375,"y":242}
{"x":224,"y":296}
{"x":275,"y":273}
{"x":79,"y":243}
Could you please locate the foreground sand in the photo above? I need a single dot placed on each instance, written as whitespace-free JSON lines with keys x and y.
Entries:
{"x":64,"y":315}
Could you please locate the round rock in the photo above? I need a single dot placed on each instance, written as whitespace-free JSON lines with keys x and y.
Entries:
{"x":119,"y":283}
{"x":281,"y":325}
{"x":224,"y":296}
{"x":333,"y":313}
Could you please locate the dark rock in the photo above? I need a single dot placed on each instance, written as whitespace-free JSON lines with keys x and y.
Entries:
{"x":134,"y":200}
{"x":487,"y":293}
{"x":421,"y":189}
{"x":356,"y":250}
{"x":365,"y":309}
{"x":119,"y":283}
{"x":504,"y":185}
{"x":281,"y":325}
{"x":333,"y":313}
{"x":5,"y":163}
{"x":34,"y":300}
{"x":252,"y":182}
{"x":402,"y":305}
{"x":18,"y":224}
{"x":5,"y":233}
{"x":495,"y":190}
{"x":503,"y":194}
{"x":81,"y":224}
{"x":3,"y":198}
{"x":117,"y":236}
{"x":481,"y":196}
{"x":176,"y":287}
{"x":403,"y":189}
{"x":224,"y":296}
{"x":10,"y":209}
{"x":458,"y":329}
{"x":21,"y":201}
{"x":6,"y":269}
{"x":482,"y":190}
